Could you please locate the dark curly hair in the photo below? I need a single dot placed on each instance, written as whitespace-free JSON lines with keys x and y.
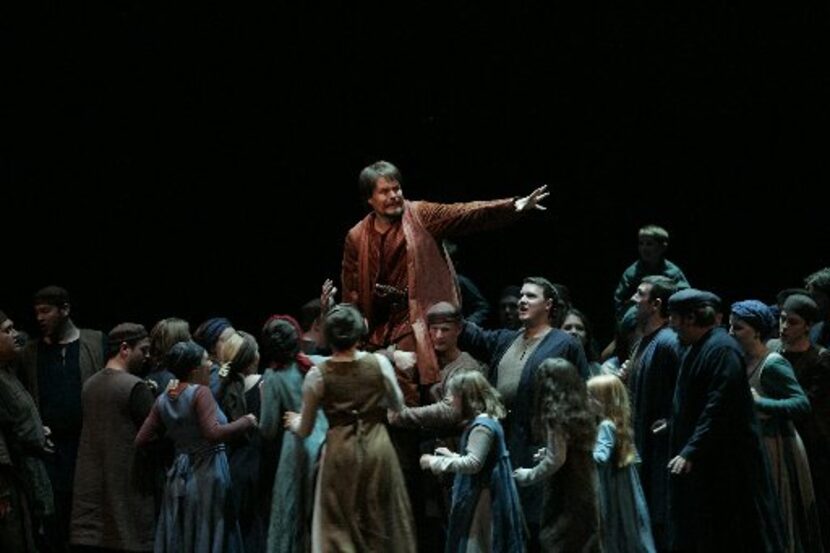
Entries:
{"x":280,"y":343}
{"x":183,"y":358}
{"x":562,"y":401}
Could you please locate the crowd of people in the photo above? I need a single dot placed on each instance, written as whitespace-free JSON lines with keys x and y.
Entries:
{"x":403,"y":419}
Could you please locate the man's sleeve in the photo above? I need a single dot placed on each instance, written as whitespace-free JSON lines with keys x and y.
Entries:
{"x":715,"y":418}
{"x":448,"y":220}
{"x":480,"y":343}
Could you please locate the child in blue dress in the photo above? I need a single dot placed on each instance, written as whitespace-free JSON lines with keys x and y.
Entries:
{"x":624,"y":516}
{"x":486,"y":514}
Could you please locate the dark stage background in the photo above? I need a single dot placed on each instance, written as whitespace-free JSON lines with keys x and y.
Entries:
{"x":192,"y":159}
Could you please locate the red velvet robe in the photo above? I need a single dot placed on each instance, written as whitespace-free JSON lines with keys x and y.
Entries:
{"x":410,"y":256}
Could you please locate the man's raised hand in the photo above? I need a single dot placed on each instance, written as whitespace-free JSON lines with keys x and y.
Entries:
{"x":532,"y":201}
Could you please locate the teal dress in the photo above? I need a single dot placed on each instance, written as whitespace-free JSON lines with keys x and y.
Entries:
{"x":289,"y":528}
{"x":623,"y":512}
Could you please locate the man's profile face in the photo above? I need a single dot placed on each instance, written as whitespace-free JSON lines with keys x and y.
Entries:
{"x":444,"y":336}
{"x":139,"y":356}
{"x":387,"y":198}
{"x":50,"y":317}
{"x":682,"y":325}
{"x":642,"y":299}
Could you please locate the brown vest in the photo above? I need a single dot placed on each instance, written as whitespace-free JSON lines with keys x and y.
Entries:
{"x":108,"y":510}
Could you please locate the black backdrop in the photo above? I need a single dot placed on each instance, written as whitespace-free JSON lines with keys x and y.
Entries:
{"x":191,"y":159}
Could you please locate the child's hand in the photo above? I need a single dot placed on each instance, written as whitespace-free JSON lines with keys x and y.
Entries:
{"x":444,"y":452}
{"x":426,"y":460}
{"x":522,"y":476}
{"x":291,"y":421}
{"x":539,"y":455}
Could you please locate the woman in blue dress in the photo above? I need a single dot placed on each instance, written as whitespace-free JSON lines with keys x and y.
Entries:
{"x":195,"y":512}
{"x":289,"y":528}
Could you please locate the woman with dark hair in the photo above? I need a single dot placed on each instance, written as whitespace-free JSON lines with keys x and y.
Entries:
{"x":570,"y":509}
{"x":778,"y":400}
{"x":195,"y":513}
{"x":577,"y":325}
{"x":362,"y":502}
{"x":289,"y":528}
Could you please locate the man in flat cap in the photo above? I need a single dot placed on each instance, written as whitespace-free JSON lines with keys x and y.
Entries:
{"x":109,"y":510}
{"x":720,"y":493}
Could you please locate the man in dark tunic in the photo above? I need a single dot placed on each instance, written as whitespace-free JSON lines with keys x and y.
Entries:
{"x":651,"y":376}
{"x":514,"y":358}
{"x":113,"y":504}
{"x":54,"y":369}
{"x":811,"y":365}
{"x":25,"y":492}
{"x":720,"y":496}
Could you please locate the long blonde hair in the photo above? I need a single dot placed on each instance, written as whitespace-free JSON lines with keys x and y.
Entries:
{"x":477,"y":395}
{"x":612,"y":397}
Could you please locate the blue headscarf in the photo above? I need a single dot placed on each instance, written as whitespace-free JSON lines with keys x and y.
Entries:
{"x":756,"y":314}
{"x":209,"y":331}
